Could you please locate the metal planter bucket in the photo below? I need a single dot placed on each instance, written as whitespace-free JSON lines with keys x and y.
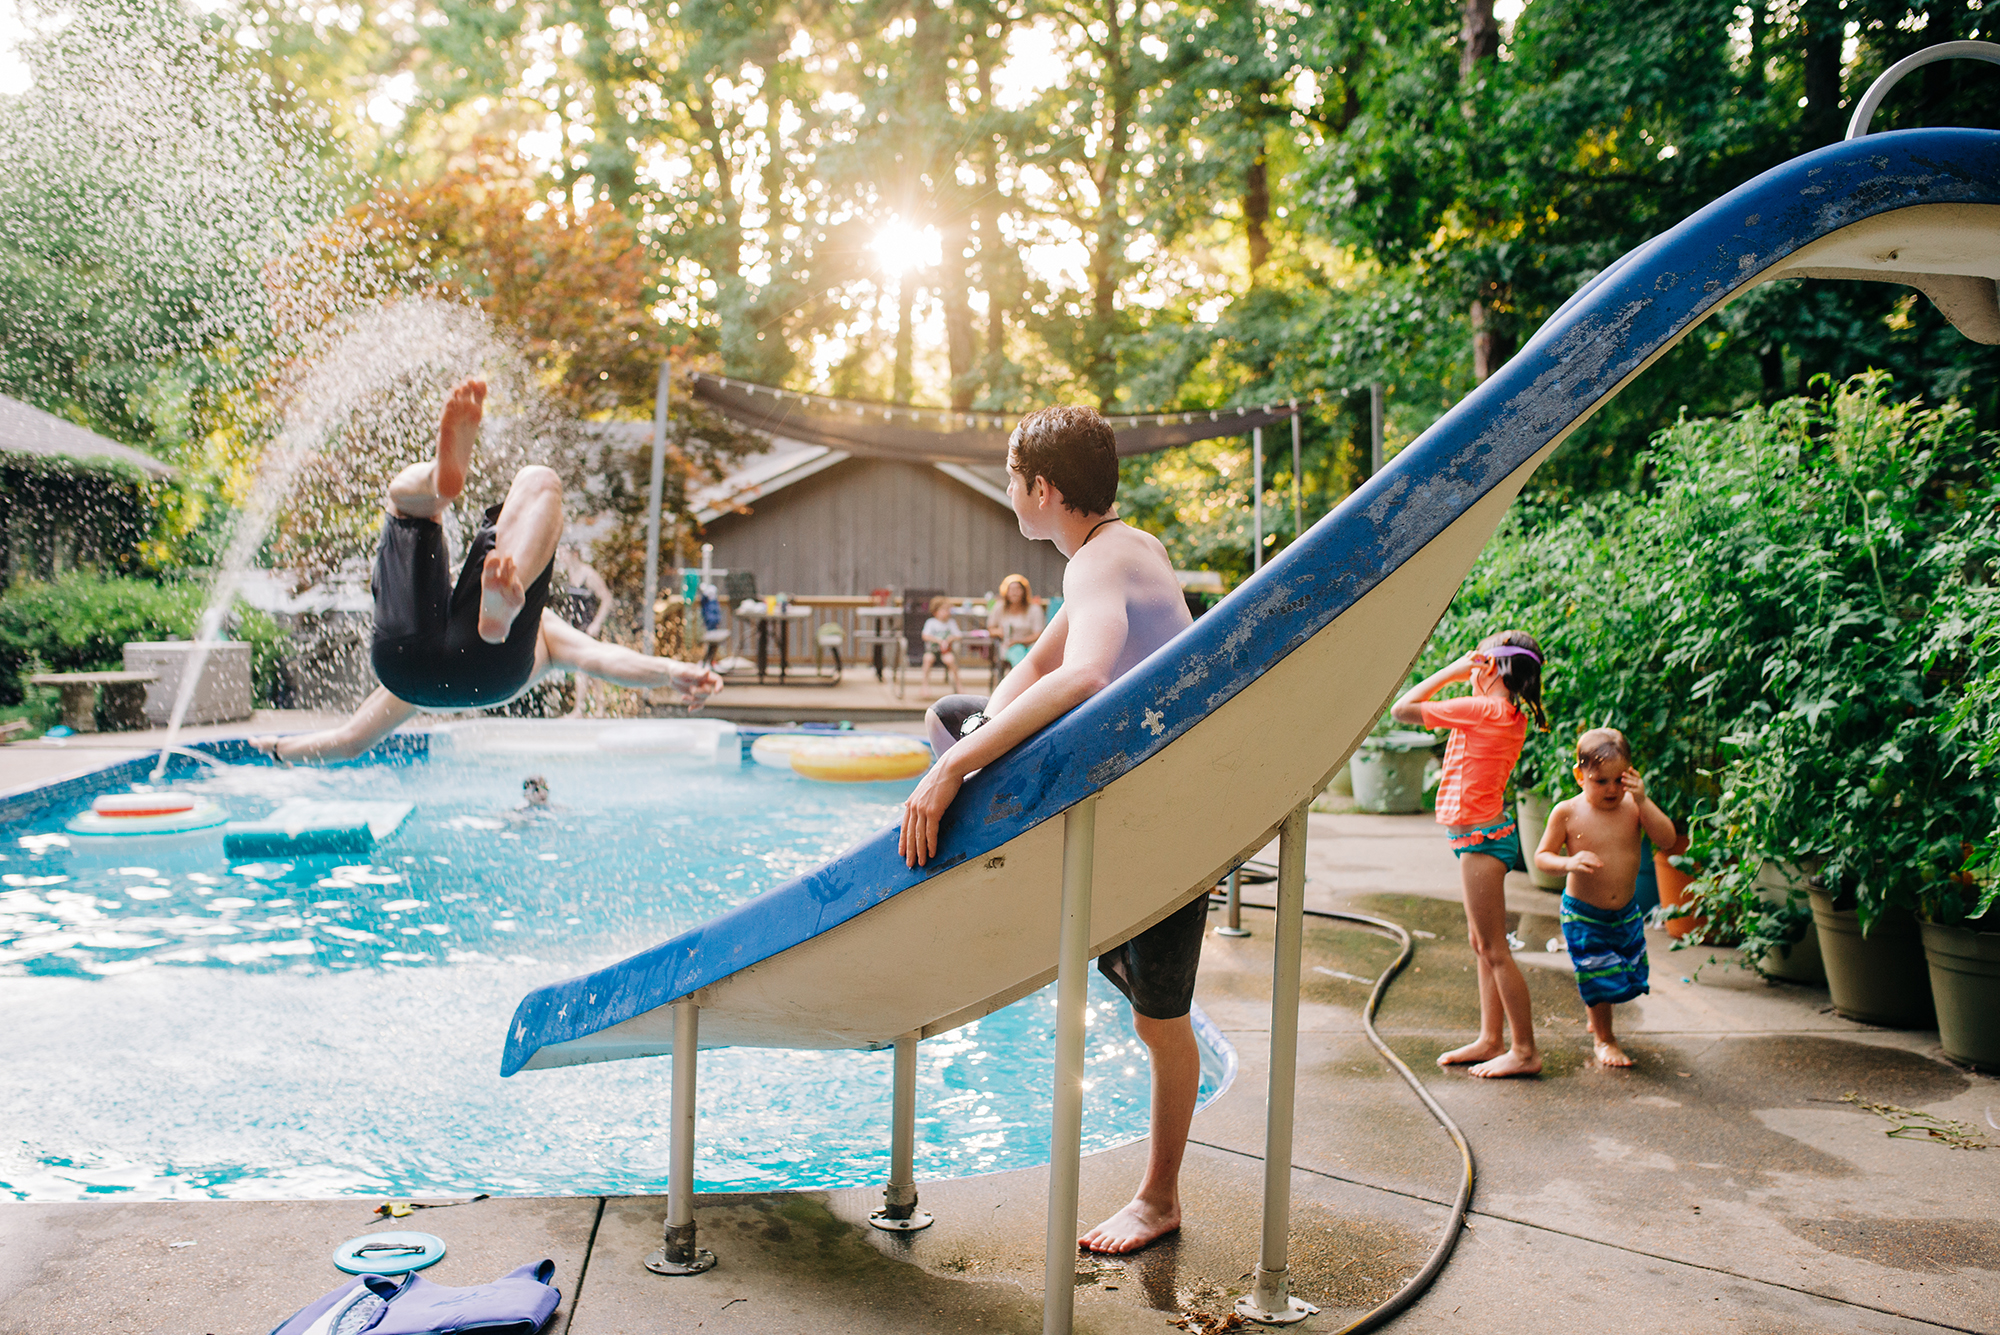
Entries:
{"x":1881,"y":978}
{"x":1532,"y":811}
{"x":1965,"y":979}
{"x":1800,"y":961}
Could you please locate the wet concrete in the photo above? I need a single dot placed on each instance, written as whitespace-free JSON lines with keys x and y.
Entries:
{"x":1721,"y":1185}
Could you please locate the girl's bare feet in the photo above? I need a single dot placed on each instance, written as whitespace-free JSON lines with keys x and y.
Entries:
{"x":1139,"y":1224}
{"x":501,"y":598}
{"x":1508,"y":1063}
{"x":458,"y":433}
{"x":1479,"y":1050}
{"x":1609,"y":1053}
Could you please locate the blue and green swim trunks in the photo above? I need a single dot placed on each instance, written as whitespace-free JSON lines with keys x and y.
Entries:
{"x":1608,"y":948}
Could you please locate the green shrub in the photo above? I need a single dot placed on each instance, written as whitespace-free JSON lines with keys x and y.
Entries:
{"x":81,"y":623}
{"x":1796,"y":627}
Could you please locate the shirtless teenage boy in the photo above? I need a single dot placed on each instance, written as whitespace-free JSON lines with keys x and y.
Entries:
{"x":490,"y":637}
{"x":1121,"y":603}
{"x":1603,"y":928}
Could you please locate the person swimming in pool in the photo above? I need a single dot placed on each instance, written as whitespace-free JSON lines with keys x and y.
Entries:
{"x":490,"y":637}
{"x":1123,"y":602}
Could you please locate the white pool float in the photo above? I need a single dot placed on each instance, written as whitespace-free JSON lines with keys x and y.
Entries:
{"x":117,"y":815}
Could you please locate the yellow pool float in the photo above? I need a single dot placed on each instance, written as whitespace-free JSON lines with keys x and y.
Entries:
{"x":857,"y":757}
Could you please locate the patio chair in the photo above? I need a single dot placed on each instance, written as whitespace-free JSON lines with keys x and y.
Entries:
{"x":884,"y":641}
{"x":828,"y":639}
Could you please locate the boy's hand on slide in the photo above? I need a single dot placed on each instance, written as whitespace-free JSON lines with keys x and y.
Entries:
{"x":1586,"y":863}
{"x":919,"y":838}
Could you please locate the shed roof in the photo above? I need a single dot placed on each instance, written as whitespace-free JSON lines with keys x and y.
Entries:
{"x":26,"y":429}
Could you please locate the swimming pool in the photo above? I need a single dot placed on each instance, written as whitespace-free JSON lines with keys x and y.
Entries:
{"x":185,"y":1025}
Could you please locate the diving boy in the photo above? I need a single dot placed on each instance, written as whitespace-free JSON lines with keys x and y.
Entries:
{"x":1601,"y":827}
{"x":1122,"y":603}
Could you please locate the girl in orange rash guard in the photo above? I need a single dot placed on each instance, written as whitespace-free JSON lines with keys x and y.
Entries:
{"x":1488,"y":728}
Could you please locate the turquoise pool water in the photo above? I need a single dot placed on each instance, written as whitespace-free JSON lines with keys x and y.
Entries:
{"x":183,"y":1025}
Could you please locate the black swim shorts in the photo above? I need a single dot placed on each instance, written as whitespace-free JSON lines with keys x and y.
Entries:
{"x":1155,"y":969}
{"x":427,"y":649}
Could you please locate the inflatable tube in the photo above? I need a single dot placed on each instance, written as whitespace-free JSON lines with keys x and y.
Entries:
{"x":120,"y":815}
{"x":859,"y":758}
{"x":775,"y":750}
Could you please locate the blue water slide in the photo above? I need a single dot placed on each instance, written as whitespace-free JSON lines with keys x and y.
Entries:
{"x":1199,"y":752}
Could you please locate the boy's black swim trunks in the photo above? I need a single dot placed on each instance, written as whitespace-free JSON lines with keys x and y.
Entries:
{"x":1155,"y":969}
{"x":427,"y":649}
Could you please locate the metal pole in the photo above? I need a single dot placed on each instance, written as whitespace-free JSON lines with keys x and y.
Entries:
{"x":660,"y":394}
{"x":1257,"y":498}
{"x":1298,"y":510}
{"x":680,"y":1256}
{"x":1270,"y":1301}
{"x":899,"y":1212}
{"x":1233,"y":925}
{"x":1375,"y":429}
{"x":1066,"y":1126}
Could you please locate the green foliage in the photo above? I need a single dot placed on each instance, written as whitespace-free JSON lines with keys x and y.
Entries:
{"x":81,"y":623}
{"x":1796,"y":627}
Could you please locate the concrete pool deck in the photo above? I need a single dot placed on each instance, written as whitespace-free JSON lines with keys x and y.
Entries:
{"x":1719,"y":1186}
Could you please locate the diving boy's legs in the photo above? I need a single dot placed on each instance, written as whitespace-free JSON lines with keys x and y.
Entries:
{"x":1602,"y":1040}
{"x":524,"y":542}
{"x":1503,"y":992}
{"x":422,"y":491}
{"x":1156,"y":1210}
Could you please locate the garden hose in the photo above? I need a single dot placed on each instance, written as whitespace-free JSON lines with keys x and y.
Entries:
{"x":1422,"y":1280}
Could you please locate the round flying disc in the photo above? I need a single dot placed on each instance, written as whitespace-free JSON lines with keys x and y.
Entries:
{"x":388,"y":1253}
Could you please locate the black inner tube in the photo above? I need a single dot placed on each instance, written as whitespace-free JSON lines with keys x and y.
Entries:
{"x":1414,"y":1288}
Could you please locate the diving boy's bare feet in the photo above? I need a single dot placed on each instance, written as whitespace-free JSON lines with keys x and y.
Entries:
{"x":458,"y":433}
{"x":1479,"y":1050}
{"x":1137,"y":1225}
{"x":501,"y":598}
{"x":1509,"y":1063}
{"x":1609,"y":1053}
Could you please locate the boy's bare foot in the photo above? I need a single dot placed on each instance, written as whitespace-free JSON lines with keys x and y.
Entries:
{"x":501,"y":598}
{"x":1137,"y":1225}
{"x":458,"y":433}
{"x":1508,"y":1063}
{"x":1609,"y":1053}
{"x":1477,"y":1051}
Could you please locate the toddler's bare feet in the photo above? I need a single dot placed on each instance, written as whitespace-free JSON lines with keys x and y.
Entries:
{"x":458,"y":433}
{"x":1609,"y":1053}
{"x":1508,"y":1063}
{"x":501,"y":598}
{"x":1137,"y":1225}
{"x":1477,"y":1051}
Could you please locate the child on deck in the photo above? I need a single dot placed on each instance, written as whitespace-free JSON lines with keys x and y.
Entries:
{"x":940,"y":633}
{"x":1603,"y":928}
{"x":1487,"y":732}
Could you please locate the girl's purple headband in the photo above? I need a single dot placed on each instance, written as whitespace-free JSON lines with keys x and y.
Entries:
{"x":1511,"y":651}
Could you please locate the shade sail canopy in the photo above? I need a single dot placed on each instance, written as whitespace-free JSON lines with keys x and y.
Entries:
{"x":941,"y":436}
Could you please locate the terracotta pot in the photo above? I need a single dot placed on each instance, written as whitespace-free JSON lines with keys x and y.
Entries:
{"x":1674,"y":885}
{"x":1881,"y":978}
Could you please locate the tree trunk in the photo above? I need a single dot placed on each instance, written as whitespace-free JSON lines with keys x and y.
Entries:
{"x":1491,"y":344}
{"x":1480,"y":46}
{"x":1257,"y":212}
{"x":906,"y":300}
{"x":960,"y":351}
{"x":1479,"y":42}
{"x":1822,"y":28}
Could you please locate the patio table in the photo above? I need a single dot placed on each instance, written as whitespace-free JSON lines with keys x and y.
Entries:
{"x":783,"y":620}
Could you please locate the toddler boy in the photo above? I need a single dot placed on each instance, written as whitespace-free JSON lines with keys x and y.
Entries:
{"x":1603,"y":928}
{"x":940,"y":635}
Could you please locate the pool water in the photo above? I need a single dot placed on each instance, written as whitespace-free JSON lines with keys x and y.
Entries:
{"x":183,"y":1025}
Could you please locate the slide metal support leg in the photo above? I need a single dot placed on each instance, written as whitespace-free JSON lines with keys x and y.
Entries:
{"x":899,"y":1212}
{"x":1270,"y":1301}
{"x":1066,"y":1130}
{"x":1233,"y":912}
{"x":680,"y":1256}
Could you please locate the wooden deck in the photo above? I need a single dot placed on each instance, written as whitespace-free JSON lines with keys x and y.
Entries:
{"x":859,"y":698}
